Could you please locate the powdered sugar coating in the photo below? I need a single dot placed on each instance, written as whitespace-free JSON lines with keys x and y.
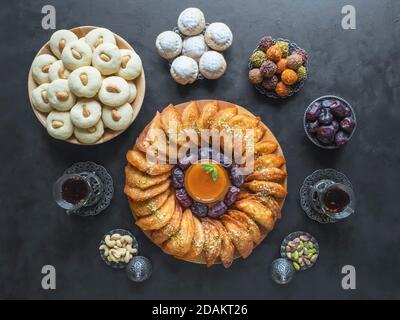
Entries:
{"x":184,"y":70}
{"x":218,"y":36}
{"x":194,"y":47}
{"x":191,"y":21}
{"x":212,"y":65}
{"x":169,"y":44}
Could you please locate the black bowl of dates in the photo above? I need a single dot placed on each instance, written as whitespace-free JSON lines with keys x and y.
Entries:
{"x":329,"y":122}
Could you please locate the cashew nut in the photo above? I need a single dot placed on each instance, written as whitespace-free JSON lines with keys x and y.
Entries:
{"x":116,"y":236}
{"x":128,"y":239}
{"x":110,"y":243}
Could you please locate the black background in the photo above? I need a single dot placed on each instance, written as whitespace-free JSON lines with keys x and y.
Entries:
{"x":360,"y":65}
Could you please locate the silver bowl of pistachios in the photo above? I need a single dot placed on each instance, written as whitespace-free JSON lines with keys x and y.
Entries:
{"x":301,"y":248}
{"x":117,"y":248}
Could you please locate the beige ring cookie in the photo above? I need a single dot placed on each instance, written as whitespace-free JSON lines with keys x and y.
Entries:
{"x":40,"y":100}
{"x":58,"y":71}
{"x":59,"y":40}
{"x":131,"y":65}
{"x":107,"y":58}
{"x":114,"y":91}
{"x":90,"y":135}
{"x":99,"y":36}
{"x":76,"y":54}
{"x":118,"y":118}
{"x":40,"y":68}
{"x":85,"y":82}
{"x":59,"y":95}
{"x":86,"y":113}
{"x":132,"y":92}
{"x":59,"y":125}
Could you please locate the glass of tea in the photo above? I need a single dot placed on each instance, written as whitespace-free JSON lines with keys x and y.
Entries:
{"x":335,"y":200}
{"x":72,"y":191}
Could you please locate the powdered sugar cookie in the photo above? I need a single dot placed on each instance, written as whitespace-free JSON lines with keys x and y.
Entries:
{"x":212,"y":65}
{"x":169,"y":44}
{"x":191,"y":21}
{"x":107,"y":58}
{"x":218,"y":36}
{"x":58,"y":71}
{"x":114,"y":91}
{"x":131,"y":65}
{"x":59,"y":125}
{"x":86,"y":113}
{"x":118,"y":118}
{"x":85,"y":82}
{"x":59,"y":95}
{"x":184,"y":70}
{"x":99,"y":36}
{"x":41,"y":66}
{"x":59,"y":40}
{"x":90,"y":135}
{"x":40,"y":100}
{"x":194,"y":47}
{"x":76,"y":54}
{"x":132,"y":92}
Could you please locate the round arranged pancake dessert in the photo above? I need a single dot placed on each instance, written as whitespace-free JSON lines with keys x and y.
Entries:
{"x":204,"y":207}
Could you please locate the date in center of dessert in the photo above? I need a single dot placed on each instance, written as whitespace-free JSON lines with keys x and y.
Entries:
{"x":207,"y":181}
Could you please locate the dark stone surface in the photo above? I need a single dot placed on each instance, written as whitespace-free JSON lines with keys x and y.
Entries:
{"x":360,"y":65}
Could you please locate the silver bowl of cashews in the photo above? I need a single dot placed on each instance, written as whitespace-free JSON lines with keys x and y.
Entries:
{"x":117,"y":248}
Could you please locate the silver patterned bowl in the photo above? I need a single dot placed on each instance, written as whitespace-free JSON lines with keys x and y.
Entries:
{"x":296,"y":87}
{"x":312,"y":137}
{"x":122,"y":232}
{"x":295,"y":235}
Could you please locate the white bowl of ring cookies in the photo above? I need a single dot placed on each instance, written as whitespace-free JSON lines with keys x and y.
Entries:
{"x":86,"y":85}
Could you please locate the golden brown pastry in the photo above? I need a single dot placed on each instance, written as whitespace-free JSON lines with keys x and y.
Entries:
{"x":268,"y":201}
{"x":259,"y":133}
{"x":141,"y":180}
{"x":179,"y":244}
{"x":207,"y":114}
{"x":151,"y":138}
{"x":144,"y":208}
{"x":267,"y":174}
{"x":266,"y":188}
{"x":190,"y":115}
{"x":171,"y":120}
{"x":160,"y":217}
{"x":265,"y":147}
{"x":239,"y":235}
{"x":259,"y":213}
{"x":269,"y":161}
{"x":243,"y":121}
{"x":138,"y":160}
{"x":212,"y":242}
{"x":251,"y":226}
{"x":197,"y":242}
{"x":137,"y":194}
{"x":172,"y":227}
{"x":220,"y":120}
{"x":271,"y":204}
{"x":227,"y":248}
